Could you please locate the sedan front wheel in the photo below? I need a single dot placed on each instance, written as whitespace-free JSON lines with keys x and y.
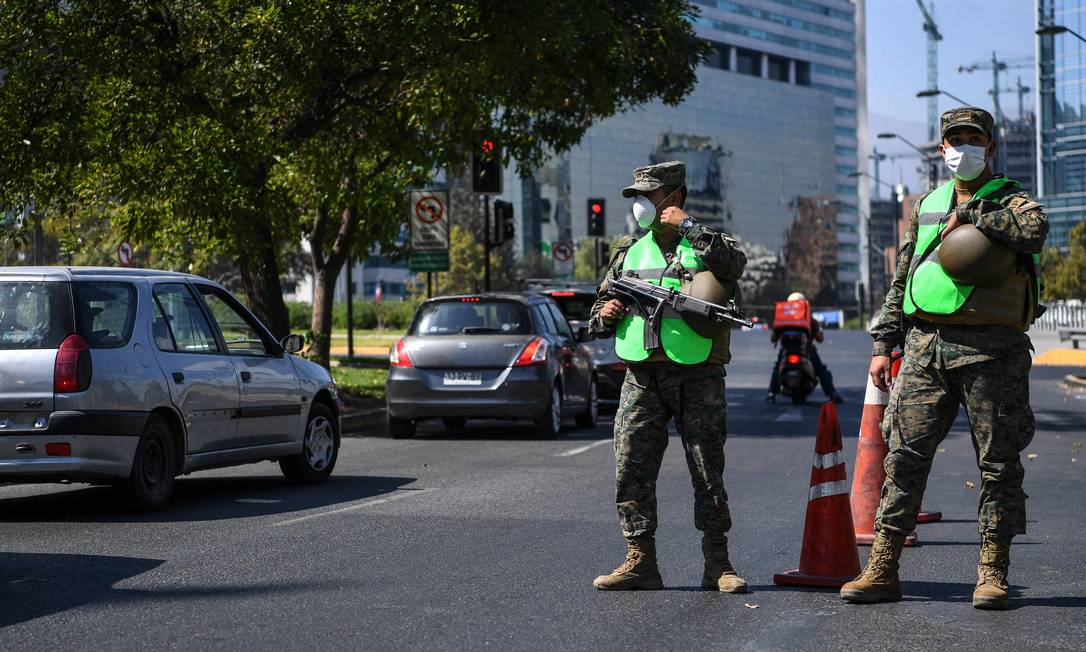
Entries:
{"x":320,"y":449}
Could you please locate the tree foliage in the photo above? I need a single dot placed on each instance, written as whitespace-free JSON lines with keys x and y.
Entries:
{"x":1064,"y":274}
{"x":236,"y":128}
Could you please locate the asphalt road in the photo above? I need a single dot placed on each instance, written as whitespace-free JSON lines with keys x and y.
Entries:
{"x":490,"y":538}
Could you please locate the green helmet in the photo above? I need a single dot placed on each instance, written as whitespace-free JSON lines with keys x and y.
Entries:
{"x":706,"y":286}
{"x":968,"y":256}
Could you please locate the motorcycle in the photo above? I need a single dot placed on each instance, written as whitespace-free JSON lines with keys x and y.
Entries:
{"x":797,"y":374}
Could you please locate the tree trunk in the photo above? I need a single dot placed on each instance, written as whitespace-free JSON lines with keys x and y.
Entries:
{"x":326,"y":269}
{"x":260,"y":276}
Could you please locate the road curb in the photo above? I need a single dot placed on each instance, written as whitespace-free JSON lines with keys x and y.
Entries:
{"x":1076,"y":382}
{"x":354,"y":423}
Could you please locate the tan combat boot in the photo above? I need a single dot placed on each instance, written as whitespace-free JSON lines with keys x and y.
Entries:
{"x":995,"y":559}
{"x":639,"y":571}
{"x":719,"y":573}
{"x":878,"y":582}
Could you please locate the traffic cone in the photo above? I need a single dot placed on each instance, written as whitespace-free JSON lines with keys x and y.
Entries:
{"x":868,"y":473}
{"x":829,"y":556}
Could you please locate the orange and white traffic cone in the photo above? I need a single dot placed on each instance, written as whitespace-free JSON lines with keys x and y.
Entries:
{"x":829,"y":557}
{"x":868,"y":472}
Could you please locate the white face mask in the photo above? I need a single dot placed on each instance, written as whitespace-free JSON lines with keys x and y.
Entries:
{"x":966,"y":162}
{"x":644,"y":211}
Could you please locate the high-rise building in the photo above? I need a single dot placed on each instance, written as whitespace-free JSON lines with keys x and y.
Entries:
{"x":1020,"y":151}
{"x":778,"y":113}
{"x":1061,"y":116}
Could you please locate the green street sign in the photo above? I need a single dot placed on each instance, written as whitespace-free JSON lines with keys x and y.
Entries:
{"x":428,"y":261}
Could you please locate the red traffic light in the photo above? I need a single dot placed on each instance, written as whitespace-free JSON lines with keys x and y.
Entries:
{"x":488,"y":146}
{"x":597,"y":208}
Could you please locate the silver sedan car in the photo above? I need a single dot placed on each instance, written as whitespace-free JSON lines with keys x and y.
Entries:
{"x":133,"y":377}
{"x":490,"y":356}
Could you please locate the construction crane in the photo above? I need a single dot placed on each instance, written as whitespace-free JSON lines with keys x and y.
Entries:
{"x":997,"y":65}
{"x":933,"y":66}
{"x":1022,"y":90}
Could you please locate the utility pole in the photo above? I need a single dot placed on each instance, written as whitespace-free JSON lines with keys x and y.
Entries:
{"x":350,"y":306}
{"x":933,"y":66}
{"x":877,"y":158}
{"x":486,"y":243}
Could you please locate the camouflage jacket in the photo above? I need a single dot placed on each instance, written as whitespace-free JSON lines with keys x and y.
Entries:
{"x":1011,"y":217}
{"x":719,"y":252}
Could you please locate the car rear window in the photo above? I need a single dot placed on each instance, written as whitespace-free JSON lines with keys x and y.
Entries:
{"x":34,"y":314}
{"x":473,"y":317}
{"x":105,"y":312}
{"x":576,"y":306}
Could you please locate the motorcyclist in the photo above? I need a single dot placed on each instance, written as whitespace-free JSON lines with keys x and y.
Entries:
{"x":821,"y":370}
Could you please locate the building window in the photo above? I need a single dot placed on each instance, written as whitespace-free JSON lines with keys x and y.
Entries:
{"x":846,"y":190}
{"x":719,"y":56}
{"x":778,"y":68}
{"x":845,"y":132}
{"x":748,"y":62}
{"x":845,"y":151}
{"x":845,"y":227}
{"x":844,"y":113}
{"x":803,"y":73}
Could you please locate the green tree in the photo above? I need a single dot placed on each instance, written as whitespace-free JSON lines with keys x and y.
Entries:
{"x":241,"y":126}
{"x":1064,"y":274}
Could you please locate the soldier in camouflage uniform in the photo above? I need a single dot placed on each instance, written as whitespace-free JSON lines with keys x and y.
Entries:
{"x":973,"y":357}
{"x":657,"y":388}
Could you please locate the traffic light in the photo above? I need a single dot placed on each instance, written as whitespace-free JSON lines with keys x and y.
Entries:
{"x":502,"y":229}
{"x":486,"y":168}
{"x":597,"y":217}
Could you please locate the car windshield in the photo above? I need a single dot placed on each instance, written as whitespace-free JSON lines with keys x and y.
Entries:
{"x":576,"y":306}
{"x":34,"y":314}
{"x":472,"y":317}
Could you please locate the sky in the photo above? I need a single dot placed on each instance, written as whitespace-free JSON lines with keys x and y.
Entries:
{"x":897,"y":56}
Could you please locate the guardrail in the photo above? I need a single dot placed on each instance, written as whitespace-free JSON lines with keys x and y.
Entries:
{"x":1062,"y":316}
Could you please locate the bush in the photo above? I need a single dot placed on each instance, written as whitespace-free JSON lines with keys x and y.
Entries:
{"x":300,"y":316}
{"x":396,"y":315}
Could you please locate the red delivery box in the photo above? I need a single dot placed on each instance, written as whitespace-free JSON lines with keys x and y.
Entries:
{"x":792,"y":314}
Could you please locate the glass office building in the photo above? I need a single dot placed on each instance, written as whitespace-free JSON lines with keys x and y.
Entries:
{"x":775,"y":115}
{"x":1061,"y":117}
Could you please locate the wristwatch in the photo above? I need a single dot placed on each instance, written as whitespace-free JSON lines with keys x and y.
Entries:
{"x":687,"y":224}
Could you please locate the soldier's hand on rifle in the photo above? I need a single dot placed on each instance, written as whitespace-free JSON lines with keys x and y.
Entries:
{"x":673,"y":216}
{"x":881,"y":372}
{"x":612,"y":310}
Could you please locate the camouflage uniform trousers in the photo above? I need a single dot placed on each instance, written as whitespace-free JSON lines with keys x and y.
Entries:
{"x":923,"y":406}
{"x":653,"y":393}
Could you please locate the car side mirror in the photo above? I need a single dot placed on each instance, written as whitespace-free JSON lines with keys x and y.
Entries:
{"x":292,"y":343}
{"x":583,"y":335}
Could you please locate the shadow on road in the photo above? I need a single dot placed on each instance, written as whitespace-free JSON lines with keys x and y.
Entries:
{"x":199,"y":499}
{"x":33,"y":585}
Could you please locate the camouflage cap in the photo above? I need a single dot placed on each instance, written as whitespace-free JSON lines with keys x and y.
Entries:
{"x":967,"y":116}
{"x":651,"y":177}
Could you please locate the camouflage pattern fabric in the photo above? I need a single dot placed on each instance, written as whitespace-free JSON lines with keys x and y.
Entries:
{"x":967,"y":116}
{"x":651,"y":395}
{"x":1011,"y":217}
{"x":924,"y":404}
{"x":648,"y":178}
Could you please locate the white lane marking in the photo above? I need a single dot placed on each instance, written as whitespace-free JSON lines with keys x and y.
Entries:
{"x":791,"y":414}
{"x":370,"y":502}
{"x":581,"y":449}
{"x":827,"y":489}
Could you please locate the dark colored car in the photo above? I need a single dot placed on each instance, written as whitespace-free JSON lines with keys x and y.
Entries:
{"x":575,"y":301}
{"x":490,"y":356}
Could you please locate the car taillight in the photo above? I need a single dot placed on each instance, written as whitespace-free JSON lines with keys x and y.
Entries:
{"x":72,"y":370}
{"x":398,"y":356}
{"x":793,"y":359}
{"x":534,"y":353}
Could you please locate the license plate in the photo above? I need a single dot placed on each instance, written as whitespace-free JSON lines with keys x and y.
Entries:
{"x":463,"y":378}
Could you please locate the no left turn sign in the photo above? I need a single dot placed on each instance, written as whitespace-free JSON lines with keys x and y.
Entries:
{"x":124,"y":254}
{"x":563,"y":251}
{"x":429,"y":209}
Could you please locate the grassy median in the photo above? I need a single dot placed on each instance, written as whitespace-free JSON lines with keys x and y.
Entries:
{"x":365,"y":383}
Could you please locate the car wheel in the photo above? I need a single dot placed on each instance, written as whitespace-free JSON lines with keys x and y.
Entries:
{"x":400,"y":428}
{"x":150,"y":484}
{"x":588,"y":418}
{"x":550,"y":424}
{"x":455,"y":423}
{"x":320,"y":448}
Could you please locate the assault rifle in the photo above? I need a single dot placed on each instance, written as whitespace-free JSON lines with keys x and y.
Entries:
{"x":651,"y":300}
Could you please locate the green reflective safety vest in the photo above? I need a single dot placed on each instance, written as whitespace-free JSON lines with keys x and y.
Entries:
{"x":679,"y":342}
{"x":929,"y":289}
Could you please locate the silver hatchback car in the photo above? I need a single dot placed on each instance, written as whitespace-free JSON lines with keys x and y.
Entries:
{"x":133,"y":377}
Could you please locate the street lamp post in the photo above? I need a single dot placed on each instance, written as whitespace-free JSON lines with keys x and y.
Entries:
{"x":1052,"y":30}
{"x":927,"y":158}
{"x":861,"y":173}
{"x":932,"y":92}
